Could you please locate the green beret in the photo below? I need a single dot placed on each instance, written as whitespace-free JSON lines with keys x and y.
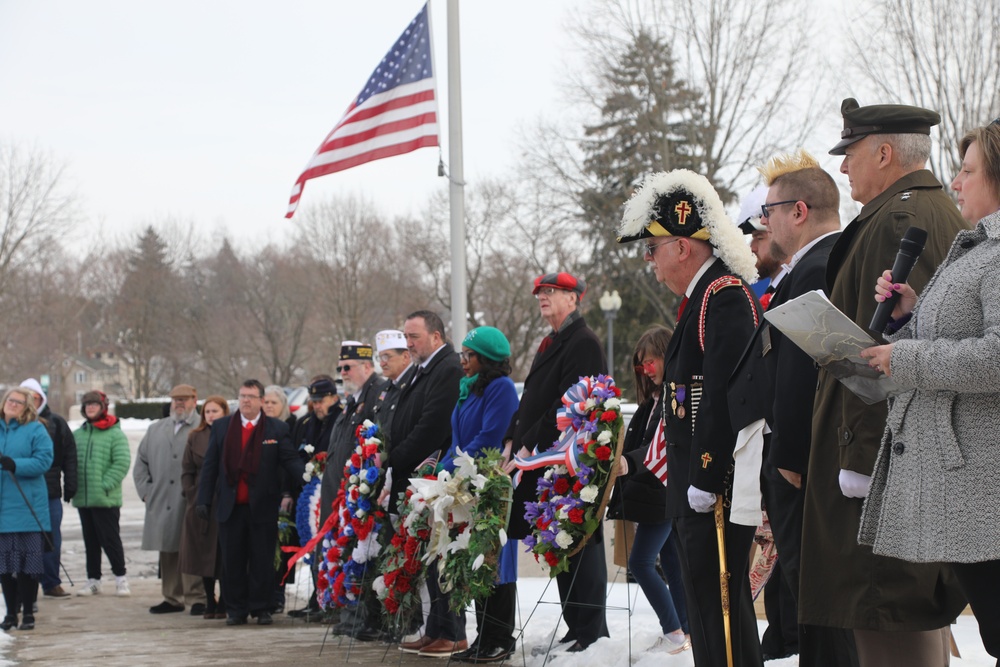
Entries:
{"x":861,"y":121}
{"x":489,"y":342}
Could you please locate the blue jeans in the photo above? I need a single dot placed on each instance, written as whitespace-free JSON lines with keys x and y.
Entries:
{"x":50,"y":559}
{"x":652,"y":539}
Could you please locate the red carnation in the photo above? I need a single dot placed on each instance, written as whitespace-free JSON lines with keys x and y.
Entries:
{"x":412,"y":566}
{"x":403,"y":585}
{"x":551,"y":558}
{"x":391,"y":605}
{"x":603,"y":453}
{"x":321,"y":457}
{"x":411,"y":547}
{"x":333,"y":554}
{"x":397,"y":540}
{"x":577,"y":487}
{"x":424,"y":534}
{"x":593,"y":416}
{"x":541,"y":523}
{"x":355,"y":460}
{"x":609,"y":416}
{"x":561,"y":486}
{"x":618,"y":392}
{"x":343,"y":540}
{"x":370,"y":450}
{"x":390,"y":577}
{"x":576,"y":516}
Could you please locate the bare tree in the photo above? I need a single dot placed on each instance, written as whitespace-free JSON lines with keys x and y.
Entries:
{"x":939,"y":55}
{"x":34,"y":208}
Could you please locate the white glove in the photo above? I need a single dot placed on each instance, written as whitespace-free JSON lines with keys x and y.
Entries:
{"x":854,"y":484}
{"x":700,"y":501}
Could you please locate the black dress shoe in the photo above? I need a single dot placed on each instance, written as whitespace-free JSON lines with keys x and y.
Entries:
{"x":567,"y":638}
{"x":463,"y":656}
{"x":166,"y":608}
{"x":368,"y":634}
{"x":264,"y":618}
{"x":9,"y":621}
{"x":27,"y":623}
{"x":577,"y":647}
{"x":490,"y":654}
{"x":279,"y":608}
{"x":236,"y":620}
{"x":197,"y":609}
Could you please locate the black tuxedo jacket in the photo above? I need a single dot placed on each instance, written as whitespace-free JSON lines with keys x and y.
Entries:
{"x":575,"y":352}
{"x":700,"y":437}
{"x":421,"y":424}
{"x":265,"y":487}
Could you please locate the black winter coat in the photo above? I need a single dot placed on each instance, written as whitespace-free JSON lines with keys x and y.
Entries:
{"x":64,"y":459}
{"x":575,"y":352}
{"x":639,"y":496}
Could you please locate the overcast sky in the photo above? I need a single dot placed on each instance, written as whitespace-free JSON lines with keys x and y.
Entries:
{"x":208,"y":111}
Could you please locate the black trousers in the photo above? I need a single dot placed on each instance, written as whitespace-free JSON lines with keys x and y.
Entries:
{"x":583,"y":592}
{"x":495,"y":617}
{"x":818,"y":646}
{"x":781,"y":637}
{"x":100,"y":531}
{"x":442,"y":622}
{"x":981,"y":584}
{"x":700,"y":564}
{"x":247,"y":562}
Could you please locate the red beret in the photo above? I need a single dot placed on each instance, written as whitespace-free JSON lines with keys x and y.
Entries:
{"x":561,"y":280}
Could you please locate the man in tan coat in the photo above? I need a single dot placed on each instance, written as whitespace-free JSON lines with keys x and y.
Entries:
{"x":157,"y":476}
{"x":895,"y":609}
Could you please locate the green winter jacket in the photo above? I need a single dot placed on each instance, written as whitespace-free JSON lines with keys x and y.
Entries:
{"x":103,"y":456}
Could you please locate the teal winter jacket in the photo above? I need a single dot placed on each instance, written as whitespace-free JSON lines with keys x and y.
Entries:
{"x":30,"y":446}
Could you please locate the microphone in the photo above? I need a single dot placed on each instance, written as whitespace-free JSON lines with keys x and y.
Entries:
{"x":909,"y":249}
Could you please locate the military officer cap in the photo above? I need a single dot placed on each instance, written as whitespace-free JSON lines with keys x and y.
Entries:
{"x":683,"y":203}
{"x":861,"y":121}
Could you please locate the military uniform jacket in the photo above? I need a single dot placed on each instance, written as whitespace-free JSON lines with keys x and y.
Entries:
{"x":697,"y":424}
{"x":388,"y":399}
{"x":574,"y":352}
{"x":343,"y":440}
{"x":843,"y":584}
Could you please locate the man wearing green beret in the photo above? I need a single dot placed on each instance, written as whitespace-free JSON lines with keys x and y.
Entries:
{"x":895,"y":609}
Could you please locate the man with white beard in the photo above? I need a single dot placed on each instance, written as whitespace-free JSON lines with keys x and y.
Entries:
{"x":157,"y":476}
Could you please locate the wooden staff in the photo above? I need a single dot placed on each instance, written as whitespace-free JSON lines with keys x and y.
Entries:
{"x":720,"y":533}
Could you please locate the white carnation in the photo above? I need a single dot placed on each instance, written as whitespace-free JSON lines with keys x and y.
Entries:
{"x":564,"y":539}
{"x":548,"y":474}
{"x":562,"y":470}
{"x":379,"y":587}
{"x":612,"y":403}
{"x":307,"y":477}
{"x":309,"y":449}
{"x":353,"y":480}
{"x":563,"y":513}
{"x":310,"y":467}
{"x":365,"y":489}
{"x":588,"y":494}
{"x":367,"y":423}
{"x":604,"y":437}
{"x":589,"y":404}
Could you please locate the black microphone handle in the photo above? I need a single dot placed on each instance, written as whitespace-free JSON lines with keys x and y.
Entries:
{"x":905,"y":259}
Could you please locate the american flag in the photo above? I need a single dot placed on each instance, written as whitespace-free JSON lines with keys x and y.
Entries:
{"x":656,"y":455}
{"x":395,"y":113}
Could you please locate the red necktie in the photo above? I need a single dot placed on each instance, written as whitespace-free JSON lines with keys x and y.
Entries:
{"x":680,"y":308}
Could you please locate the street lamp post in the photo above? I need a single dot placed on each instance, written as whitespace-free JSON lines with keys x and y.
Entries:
{"x":611,"y":303}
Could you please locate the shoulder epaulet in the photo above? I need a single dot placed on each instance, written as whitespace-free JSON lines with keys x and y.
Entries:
{"x":716,"y":286}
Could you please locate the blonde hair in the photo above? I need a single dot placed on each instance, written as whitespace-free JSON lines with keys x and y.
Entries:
{"x":779,"y":165}
{"x":29,"y":414}
{"x":988,"y":139}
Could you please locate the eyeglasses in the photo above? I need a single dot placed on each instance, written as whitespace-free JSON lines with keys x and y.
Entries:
{"x":15,"y":401}
{"x":765,"y":209}
{"x":250,"y":397}
{"x":466,"y":355}
{"x":346,"y":368}
{"x":647,"y":366}
{"x":547,"y":291}
{"x":386,"y":357}
{"x":648,"y":249}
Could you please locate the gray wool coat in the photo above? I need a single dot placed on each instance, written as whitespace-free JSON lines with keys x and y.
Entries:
{"x":157,"y":476}
{"x":933,"y":494}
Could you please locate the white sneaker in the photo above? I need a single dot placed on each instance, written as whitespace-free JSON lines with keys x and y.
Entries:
{"x":122,"y":589}
{"x":92,"y":587}
{"x":671,"y":644}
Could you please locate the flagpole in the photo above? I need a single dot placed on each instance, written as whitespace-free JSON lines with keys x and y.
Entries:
{"x":456,"y":178}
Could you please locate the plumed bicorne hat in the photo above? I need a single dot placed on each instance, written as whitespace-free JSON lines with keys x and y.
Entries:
{"x":683,"y":203}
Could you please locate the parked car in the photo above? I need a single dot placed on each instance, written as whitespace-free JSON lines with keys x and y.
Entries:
{"x":298,"y":401}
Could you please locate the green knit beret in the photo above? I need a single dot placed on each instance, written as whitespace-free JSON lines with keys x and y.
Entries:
{"x":489,"y":342}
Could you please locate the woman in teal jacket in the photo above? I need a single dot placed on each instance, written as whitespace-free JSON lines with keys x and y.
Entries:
{"x":25,"y":455}
{"x":103,"y":458}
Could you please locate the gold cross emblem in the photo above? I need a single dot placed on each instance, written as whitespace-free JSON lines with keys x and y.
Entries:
{"x":682,"y":210}
{"x":706,"y":458}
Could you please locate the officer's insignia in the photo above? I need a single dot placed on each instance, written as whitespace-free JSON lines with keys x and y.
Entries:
{"x":906,"y":195}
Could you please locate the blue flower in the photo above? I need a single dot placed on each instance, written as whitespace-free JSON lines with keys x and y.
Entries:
{"x":364,"y":504}
{"x":371,"y":475}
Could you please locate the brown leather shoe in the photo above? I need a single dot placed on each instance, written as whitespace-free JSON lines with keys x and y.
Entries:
{"x":443,"y":648}
{"x":415,"y":645}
